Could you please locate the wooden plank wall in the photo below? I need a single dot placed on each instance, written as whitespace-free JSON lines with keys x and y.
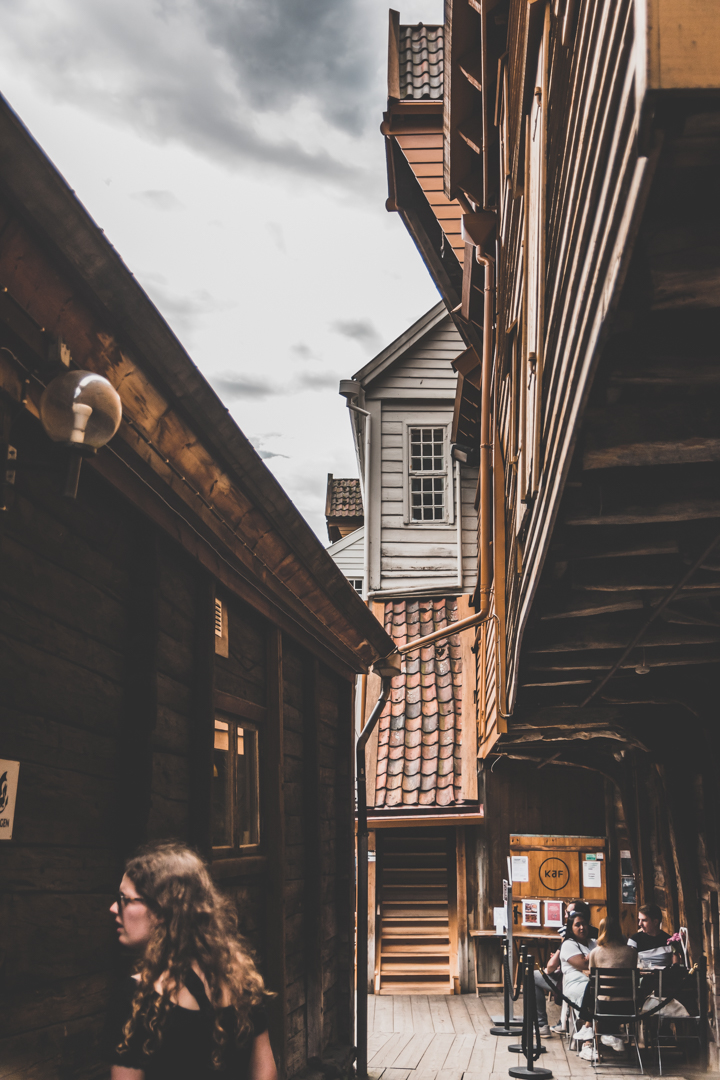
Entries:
{"x":420,"y":387}
{"x":65,"y":595}
{"x":591,"y":164}
{"x":107,"y":688}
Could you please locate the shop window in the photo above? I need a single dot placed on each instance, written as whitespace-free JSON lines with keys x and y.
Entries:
{"x":235,"y":789}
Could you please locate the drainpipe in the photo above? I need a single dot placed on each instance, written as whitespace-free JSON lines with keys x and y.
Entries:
{"x":350,"y":390}
{"x":458,"y":511}
{"x":485,"y":577}
{"x":366,"y":498}
{"x":386,"y":669}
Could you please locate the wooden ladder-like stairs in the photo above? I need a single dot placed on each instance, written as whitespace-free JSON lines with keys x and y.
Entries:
{"x":414,"y":947}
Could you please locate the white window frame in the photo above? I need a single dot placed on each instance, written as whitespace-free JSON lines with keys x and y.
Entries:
{"x":425,"y":420}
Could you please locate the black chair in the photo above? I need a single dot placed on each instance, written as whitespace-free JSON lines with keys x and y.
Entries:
{"x":615,"y":1004}
{"x":678,"y":1029}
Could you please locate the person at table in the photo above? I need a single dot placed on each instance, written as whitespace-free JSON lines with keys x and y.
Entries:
{"x":612,"y":949}
{"x":651,"y":941}
{"x":552,"y":971}
{"x":542,"y":985}
{"x":574,"y":962}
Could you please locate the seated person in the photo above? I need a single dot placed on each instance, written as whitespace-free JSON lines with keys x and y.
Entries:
{"x":552,"y":971}
{"x":651,"y":942}
{"x":612,"y":951}
{"x":579,"y":907}
{"x":574,"y":962}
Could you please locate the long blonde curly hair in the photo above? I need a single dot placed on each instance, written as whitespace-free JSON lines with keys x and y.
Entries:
{"x":194,"y":922}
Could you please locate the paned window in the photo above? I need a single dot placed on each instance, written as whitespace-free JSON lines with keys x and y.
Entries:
{"x":357,"y":583}
{"x":427,"y":474}
{"x":235,"y":794}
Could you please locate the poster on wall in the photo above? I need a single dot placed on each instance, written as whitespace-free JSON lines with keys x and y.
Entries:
{"x":531,"y":912}
{"x":9,"y":771}
{"x":553,"y":913}
{"x":519,"y":868}
{"x":592,"y":874}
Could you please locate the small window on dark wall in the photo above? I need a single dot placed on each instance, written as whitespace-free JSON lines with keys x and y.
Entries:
{"x":235,"y":794}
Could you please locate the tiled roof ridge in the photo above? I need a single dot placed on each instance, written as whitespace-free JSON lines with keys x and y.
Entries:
{"x":421,"y":62}
{"x":419,"y":739}
{"x":345,"y":498}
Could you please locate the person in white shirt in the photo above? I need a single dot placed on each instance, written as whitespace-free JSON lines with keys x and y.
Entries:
{"x":574,"y":962}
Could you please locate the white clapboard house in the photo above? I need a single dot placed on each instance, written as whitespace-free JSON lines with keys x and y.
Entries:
{"x":417,"y":549}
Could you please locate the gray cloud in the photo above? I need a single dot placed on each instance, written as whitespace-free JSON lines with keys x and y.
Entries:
{"x":200,"y":71}
{"x":158,"y":200}
{"x":286,"y":50}
{"x":361,"y":330}
{"x":303,"y":351}
{"x":231,"y":386}
{"x":181,"y":311}
{"x":317,"y":380}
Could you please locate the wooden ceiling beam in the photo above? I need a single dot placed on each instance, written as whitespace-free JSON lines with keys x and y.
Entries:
{"x":610,"y":634}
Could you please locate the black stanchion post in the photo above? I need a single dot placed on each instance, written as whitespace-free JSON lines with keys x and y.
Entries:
{"x":531,"y":1046}
{"x":509,"y":1026}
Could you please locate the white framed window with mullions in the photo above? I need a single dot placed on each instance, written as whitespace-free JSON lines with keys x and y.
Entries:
{"x":427,"y":467}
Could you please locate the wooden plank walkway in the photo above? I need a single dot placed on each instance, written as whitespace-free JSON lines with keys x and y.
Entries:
{"x":418,"y":1037}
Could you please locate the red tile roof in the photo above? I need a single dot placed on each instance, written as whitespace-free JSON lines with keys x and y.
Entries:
{"x":344,"y":499}
{"x":419,"y":738}
{"x":421,"y":62}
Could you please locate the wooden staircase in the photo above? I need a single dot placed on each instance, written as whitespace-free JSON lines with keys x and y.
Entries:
{"x":414,"y":942}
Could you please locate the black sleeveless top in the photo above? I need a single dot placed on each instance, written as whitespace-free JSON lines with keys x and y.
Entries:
{"x":185,"y":1050}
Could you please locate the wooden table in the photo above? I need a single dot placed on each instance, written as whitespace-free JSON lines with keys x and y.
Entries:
{"x":520,"y":934}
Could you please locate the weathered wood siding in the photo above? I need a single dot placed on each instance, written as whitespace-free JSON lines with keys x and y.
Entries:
{"x":418,"y":388}
{"x":349,"y":553}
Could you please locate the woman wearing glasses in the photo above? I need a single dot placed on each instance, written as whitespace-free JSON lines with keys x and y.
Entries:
{"x":193,"y":1009}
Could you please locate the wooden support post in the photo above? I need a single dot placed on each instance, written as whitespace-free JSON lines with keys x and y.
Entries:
{"x":203,"y":717}
{"x":373,"y":942}
{"x":313,"y":866}
{"x":274,"y":844}
{"x":345,"y":794}
{"x":462,"y":914}
{"x":136,"y":745}
{"x":612,"y":860}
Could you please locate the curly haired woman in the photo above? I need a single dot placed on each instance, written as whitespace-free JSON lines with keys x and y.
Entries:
{"x":193,"y":1009}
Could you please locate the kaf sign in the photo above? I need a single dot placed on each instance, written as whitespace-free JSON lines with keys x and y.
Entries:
{"x":8,"y":792}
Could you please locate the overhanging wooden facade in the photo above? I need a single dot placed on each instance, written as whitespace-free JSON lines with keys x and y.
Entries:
{"x":117,"y":663}
{"x":589,"y":133}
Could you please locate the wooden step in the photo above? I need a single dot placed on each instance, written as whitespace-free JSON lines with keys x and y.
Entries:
{"x":415,"y":969}
{"x":416,"y":950}
{"x":416,"y":988}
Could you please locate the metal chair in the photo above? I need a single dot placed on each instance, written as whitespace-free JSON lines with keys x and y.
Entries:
{"x":615,"y":1004}
{"x":680,"y":1023}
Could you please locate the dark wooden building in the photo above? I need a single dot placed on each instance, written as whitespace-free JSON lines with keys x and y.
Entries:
{"x":179,"y":607}
{"x":581,"y":141}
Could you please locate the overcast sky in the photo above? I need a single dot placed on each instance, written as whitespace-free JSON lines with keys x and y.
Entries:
{"x":230,"y":149}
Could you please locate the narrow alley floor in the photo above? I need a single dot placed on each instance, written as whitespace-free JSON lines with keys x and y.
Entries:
{"x":420,"y":1037}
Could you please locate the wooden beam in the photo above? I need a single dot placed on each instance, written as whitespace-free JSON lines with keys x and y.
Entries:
{"x":602,"y":660}
{"x":689,"y":509}
{"x":605,"y":634}
{"x":462,"y":909}
{"x":469,"y":779}
{"x":140,"y":699}
{"x":678,"y":432}
{"x":203,"y":716}
{"x":274,"y":844}
{"x":313,"y":928}
{"x":238,"y":706}
{"x":620,"y":542}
